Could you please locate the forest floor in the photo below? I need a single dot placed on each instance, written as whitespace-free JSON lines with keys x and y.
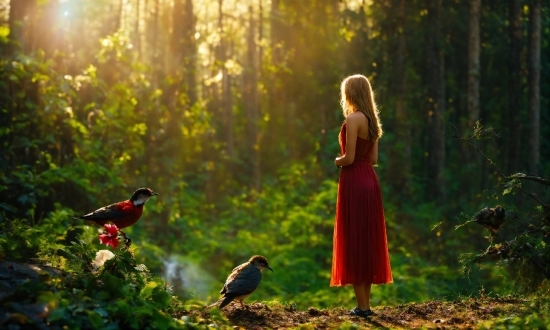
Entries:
{"x":459,"y":314}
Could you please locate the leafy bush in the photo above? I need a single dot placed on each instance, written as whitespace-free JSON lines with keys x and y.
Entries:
{"x":90,"y":292}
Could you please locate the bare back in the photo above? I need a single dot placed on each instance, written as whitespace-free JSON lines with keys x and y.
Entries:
{"x":361,"y":122}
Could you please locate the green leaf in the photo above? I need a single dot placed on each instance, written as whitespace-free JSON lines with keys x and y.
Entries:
{"x":148,"y":289}
{"x":507,"y":191}
{"x":162,"y":298}
{"x":101,"y":311}
{"x":57,"y":314}
{"x":66,"y":254}
{"x":95,"y":319}
{"x":161,"y":320}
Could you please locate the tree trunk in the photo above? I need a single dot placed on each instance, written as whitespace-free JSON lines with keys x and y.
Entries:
{"x":473,"y":63}
{"x":119,"y":18}
{"x":112,"y":22}
{"x":171,"y":89}
{"x":473,"y":87}
{"x":276,"y":32}
{"x":534,"y":85}
{"x":226,"y":97}
{"x":20,"y":17}
{"x":279,"y":105}
{"x":150,"y":53}
{"x":436,"y":102}
{"x":189,"y":51}
{"x":183,"y":46}
{"x":252,"y":100}
{"x":137,"y":34}
{"x":176,"y":40}
{"x":514,"y":87}
{"x":154,"y":43}
{"x":401,"y":168}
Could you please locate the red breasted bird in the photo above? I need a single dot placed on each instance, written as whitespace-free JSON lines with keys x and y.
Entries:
{"x":122,"y":214}
{"x":243,"y":280}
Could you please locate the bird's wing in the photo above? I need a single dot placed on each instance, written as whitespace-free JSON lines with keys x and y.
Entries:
{"x":236,"y":272}
{"x":113,"y":211}
{"x":245,"y":282}
{"x":232,"y":276}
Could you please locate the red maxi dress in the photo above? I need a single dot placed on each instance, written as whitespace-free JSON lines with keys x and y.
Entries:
{"x":360,"y":248}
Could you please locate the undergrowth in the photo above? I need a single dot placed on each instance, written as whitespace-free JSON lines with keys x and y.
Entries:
{"x":88,"y":293}
{"x":83,"y":285}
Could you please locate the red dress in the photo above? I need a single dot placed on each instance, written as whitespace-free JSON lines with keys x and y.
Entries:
{"x":360,"y":248}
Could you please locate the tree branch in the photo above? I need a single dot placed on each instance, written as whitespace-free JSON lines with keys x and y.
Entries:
{"x":479,"y":133}
{"x":522,"y":176}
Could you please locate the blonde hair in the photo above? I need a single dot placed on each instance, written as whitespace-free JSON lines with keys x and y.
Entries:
{"x":357,"y":95}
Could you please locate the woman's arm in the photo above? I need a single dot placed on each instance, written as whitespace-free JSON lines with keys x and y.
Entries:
{"x":374,"y":154}
{"x":352,"y":128}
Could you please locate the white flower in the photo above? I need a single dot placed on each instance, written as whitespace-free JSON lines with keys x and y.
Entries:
{"x":101,"y":256}
{"x":141,"y":268}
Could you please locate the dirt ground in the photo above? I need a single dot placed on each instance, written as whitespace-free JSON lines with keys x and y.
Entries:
{"x":459,"y":314}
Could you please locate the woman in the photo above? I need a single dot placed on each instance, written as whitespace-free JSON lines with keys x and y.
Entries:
{"x":360,"y":248}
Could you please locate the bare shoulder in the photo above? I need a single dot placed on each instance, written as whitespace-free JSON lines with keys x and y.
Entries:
{"x":357,"y":117}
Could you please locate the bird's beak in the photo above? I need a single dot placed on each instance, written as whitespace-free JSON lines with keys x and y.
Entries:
{"x":155,"y":194}
{"x":269,"y":268}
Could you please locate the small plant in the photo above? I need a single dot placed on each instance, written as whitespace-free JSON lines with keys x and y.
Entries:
{"x":525,"y":250}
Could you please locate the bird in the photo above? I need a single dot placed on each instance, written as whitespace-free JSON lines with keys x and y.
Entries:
{"x":122,"y":214}
{"x":491,"y":218}
{"x":243,"y":280}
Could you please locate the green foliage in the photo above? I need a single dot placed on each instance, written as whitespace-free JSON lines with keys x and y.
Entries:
{"x":291,"y":223}
{"x":89,"y":112}
{"x":521,"y":246}
{"x":117,"y":294}
{"x":20,"y":241}
{"x":535,"y":316}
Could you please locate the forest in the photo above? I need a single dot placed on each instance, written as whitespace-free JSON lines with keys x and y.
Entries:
{"x":229,"y":110}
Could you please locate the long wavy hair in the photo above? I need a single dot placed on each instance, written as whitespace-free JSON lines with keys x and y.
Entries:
{"x":357,"y":95}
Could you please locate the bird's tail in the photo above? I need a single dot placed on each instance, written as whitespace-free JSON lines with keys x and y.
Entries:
{"x":225,"y":302}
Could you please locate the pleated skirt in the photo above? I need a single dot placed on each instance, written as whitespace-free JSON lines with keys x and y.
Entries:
{"x":360,"y":247}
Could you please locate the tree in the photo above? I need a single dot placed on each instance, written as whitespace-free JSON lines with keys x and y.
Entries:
{"x":436,"y":100}
{"x":473,"y":63}
{"x":137,"y":32}
{"x":226,"y":94}
{"x":184,"y":47}
{"x":190,"y":51}
{"x":401,"y":168}
{"x":514,"y":86}
{"x":19,"y":24}
{"x":534,"y":85}
{"x":252,"y":100}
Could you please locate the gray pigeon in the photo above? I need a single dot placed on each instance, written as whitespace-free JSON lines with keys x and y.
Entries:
{"x":243,"y":280}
